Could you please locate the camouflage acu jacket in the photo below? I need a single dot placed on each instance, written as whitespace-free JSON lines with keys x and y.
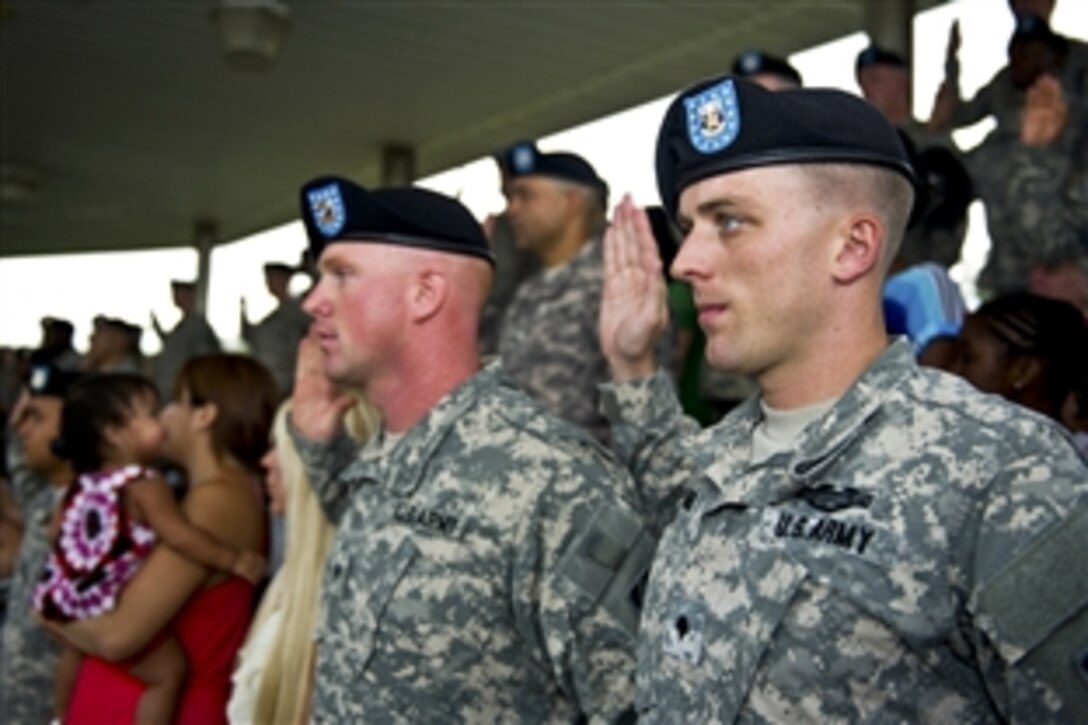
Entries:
{"x":918,"y":556}
{"x":28,"y":653}
{"x":549,"y":342}
{"x":482,"y":571}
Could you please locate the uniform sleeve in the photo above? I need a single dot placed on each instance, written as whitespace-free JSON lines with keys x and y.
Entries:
{"x":982,"y":104}
{"x":1047,"y":192}
{"x":25,"y":485}
{"x":577,"y":596}
{"x":323,"y":462}
{"x":1028,"y":600}
{"x":651,"y":436}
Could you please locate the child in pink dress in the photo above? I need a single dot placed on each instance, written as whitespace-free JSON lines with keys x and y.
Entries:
{"x":109,"y":520}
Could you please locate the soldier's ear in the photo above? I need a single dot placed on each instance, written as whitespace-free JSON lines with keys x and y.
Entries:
{"x":858,"y":248}
{"x":428,"y":294}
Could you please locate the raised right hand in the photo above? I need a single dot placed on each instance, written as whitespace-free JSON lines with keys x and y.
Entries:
{"x":634,"y":304}
{"x":317,"y":407}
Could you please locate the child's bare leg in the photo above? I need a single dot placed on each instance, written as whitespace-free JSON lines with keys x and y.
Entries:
{"x":163,"y":670}
{"x":67,"y":670}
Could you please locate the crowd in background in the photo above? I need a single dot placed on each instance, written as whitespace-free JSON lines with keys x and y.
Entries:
{"x":1027,"y":342}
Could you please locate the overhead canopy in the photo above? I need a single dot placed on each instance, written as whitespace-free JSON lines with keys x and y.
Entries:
{"x":138,"y":128}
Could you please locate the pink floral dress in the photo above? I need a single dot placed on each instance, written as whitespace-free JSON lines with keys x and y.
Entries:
{"x":98,"y":549}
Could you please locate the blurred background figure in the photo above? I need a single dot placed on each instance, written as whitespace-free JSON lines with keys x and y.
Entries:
{"x":114,"y":347}
{"x":1030,"y":171}
{"x":944,"y":190}
{"x":192,"y":336}
{"x":924,"y":304}
{"x":274,"y":340}
{"x":770,"y":71}
{"x":56,"y":347}
{"x":272,"y":679}
{"x":1026,"y":348}
{"x":513,"y":264}
{"x":548,"y":340}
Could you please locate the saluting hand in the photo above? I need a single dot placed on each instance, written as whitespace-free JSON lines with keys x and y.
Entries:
{"x":317,"y":407}
{"x":634,"y":306}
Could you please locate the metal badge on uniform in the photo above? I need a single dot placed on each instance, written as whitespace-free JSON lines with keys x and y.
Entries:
{"x":713,"y":117}
{"x":327,"y":208}
{"x":683,"y":634}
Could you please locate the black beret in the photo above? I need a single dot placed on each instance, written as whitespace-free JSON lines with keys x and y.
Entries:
{"x":336,"y":209}
{"x":728,"y":124}
{"x":49,"y":380}
{"x":526,"y":160}
{"x":1030,"y":26}
{"x":755,"y":62}
{"x":518,"y":150}
{"x":875,"y":55}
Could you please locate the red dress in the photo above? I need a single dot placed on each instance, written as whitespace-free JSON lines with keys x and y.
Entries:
{"x":211,"y":628}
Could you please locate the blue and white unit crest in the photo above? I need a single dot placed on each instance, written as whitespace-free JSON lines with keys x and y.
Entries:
{"x":522,"y":158}
{"x":327,"y":208}
{"x":713,"y":117}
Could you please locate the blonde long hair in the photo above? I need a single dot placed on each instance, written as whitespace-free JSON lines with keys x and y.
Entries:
{"x":285,"y":679}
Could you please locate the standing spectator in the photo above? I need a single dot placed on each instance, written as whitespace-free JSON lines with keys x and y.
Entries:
{"x":56,"y":348}
{"x":944,"y":189}
{"x":114,"y":347}
{"x":217,"y":428}
{"x":274,"y":340}
{"x":274,"y":676}
{"x":865,"y":539}
{"x":192,"y":336}
{"x":486,"y":559}
{"x":548,"y":341}
{"x":513,"y":263}
{"x":30,"y":654}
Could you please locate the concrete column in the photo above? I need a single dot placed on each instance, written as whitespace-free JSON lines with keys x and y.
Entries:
{"x":205,"y":235}
{"x":398,"y":165}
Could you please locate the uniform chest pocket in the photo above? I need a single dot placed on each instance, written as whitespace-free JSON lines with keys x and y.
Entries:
{"x":361,"y":576}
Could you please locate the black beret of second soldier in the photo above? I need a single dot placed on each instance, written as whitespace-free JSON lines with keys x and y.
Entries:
{"x":526,"y":160}
{"x":336,"y":209}
{"x":729,"y":124}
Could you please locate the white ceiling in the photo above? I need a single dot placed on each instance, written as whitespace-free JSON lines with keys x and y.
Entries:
{"x":139,"y":127}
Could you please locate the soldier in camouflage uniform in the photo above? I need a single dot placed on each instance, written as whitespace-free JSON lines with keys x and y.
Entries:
{"x":865,"y":540}
{"x":1036,"y":191}
{"x":548,"y":339}
{"x":192,"y":336}
{"x":29,"y":654}
{"x":274,"y":340}
{"x":487,"y":555}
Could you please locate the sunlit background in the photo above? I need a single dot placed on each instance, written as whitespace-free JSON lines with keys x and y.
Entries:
{"x":133,"y":285}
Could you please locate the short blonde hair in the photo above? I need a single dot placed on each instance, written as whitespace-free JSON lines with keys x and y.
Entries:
{"x":296,"y":590}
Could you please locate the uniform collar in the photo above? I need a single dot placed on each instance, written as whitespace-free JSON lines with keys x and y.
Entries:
{"x":819,"y":445}
{"x":402,"y":468}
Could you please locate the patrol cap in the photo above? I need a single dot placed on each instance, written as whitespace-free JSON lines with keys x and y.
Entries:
{"x":527,"y":160}
{"x":48,"y":380}
{"x":728,"y":124}
{"x":875,"y":55}
{"x":336,"y":209}
{"x":753,"y":61}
